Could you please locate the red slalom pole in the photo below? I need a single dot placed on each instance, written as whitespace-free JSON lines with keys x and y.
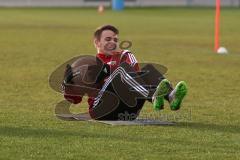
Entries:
{"x":217,"y":24}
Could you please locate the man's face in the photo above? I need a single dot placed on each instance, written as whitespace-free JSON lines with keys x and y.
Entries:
{"x":108,"y":43}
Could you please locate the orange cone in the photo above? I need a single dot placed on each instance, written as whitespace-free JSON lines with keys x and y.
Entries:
{"x":100,"y":9}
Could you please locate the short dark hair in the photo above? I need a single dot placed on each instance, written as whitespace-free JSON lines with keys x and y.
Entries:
{"x":99,"y":30}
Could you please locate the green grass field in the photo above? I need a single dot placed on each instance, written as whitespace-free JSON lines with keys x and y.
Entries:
{"x":34,"y":42}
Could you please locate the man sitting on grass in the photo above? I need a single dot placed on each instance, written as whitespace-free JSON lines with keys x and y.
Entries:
{"x":121,"y":86}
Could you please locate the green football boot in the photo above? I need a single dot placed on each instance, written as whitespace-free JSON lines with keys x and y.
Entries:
{"x":162,"y":90}
{"x":177,"y":95}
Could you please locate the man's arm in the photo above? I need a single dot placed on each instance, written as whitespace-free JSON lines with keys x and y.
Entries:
{"x":129,"y":58}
